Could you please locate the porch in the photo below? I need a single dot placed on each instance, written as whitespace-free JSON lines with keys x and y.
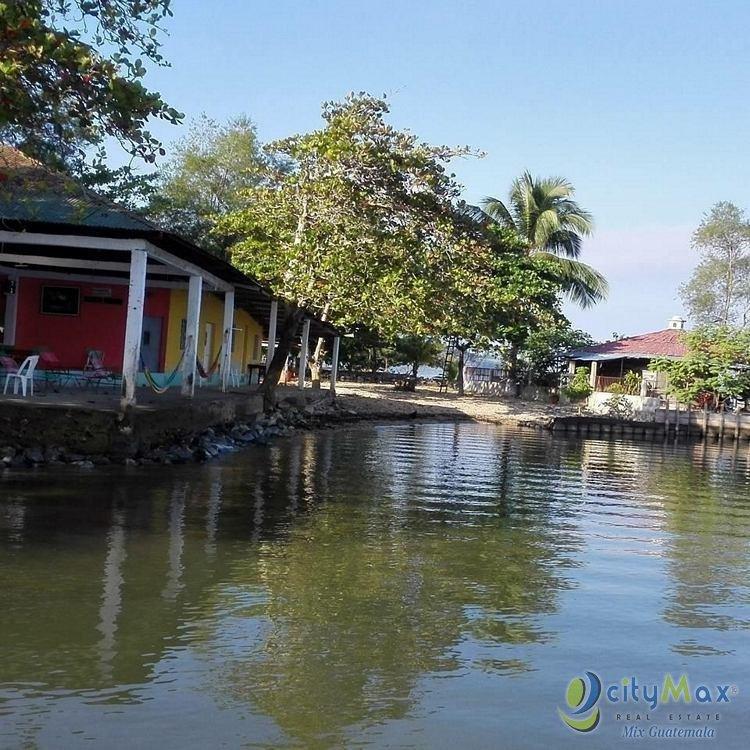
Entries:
{"x":619,"y":374}
{"x":79,"y":274}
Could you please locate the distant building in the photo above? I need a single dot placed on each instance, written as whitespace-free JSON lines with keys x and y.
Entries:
{"x":611,"y":361}
{"x":483,"y":373}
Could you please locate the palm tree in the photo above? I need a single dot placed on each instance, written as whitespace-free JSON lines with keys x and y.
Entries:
{"x":542,"y":212}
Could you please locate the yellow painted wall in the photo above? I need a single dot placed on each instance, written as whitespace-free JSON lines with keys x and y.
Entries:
{"x":247,"y":348}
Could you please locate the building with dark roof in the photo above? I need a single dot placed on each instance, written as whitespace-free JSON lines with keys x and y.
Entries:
{"x":79,"y":273}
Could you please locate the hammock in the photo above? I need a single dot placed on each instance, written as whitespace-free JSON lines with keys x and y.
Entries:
{"x":151,"y":380}
{"x":205,"y":374}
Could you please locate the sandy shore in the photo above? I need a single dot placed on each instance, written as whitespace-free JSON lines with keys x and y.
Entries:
{"x":371,"y":401}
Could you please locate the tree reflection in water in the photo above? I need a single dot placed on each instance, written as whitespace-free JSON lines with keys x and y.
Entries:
{"x":315,"y":584}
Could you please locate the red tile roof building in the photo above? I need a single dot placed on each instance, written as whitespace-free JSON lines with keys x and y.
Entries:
{"x":666,"y":343}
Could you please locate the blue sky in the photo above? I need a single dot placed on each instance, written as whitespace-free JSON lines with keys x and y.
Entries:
{"x":643,"y":105}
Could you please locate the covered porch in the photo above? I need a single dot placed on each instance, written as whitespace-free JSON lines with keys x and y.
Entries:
{"x":103,"y":291}
{"x":111,"y":302}
{"x":612,"y":373}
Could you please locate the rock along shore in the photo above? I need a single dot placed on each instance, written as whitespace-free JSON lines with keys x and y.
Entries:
{"x":353,"y":404}
{"x":213,"y":441}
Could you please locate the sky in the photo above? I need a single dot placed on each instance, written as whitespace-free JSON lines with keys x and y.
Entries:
{"x":643,"y":106}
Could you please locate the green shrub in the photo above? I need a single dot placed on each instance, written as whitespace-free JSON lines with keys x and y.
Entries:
{"x":616,"y":388}
{"x":578,"y":388}
{"x":631,"y":383}
{"x":619,"y":407}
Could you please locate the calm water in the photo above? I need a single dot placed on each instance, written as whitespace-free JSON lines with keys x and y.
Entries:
{"x":426,"y":586}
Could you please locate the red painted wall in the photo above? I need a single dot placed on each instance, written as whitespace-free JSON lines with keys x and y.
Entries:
{"x":97,"y":326}
{"x":3,"y":297}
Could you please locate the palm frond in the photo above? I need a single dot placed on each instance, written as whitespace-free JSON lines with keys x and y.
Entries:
{"x":555,"y":187}
{"x":497,"y":210}
{"x":475,"y":214}
{"x":582,"y":284}
{"x":563,"y":242}
{"x":546,"y":226}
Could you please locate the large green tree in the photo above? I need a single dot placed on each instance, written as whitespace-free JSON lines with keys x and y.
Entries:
{"x":205,"y":176}
{"x":360,"y":226}
{"x":550,"y":223}
{"x":71,"y":78}
{"x":718,"y":292}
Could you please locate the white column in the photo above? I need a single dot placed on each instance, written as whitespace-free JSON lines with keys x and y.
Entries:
{"x":226,"y":358}
{"x":592,"y":376}
{"x":335,"y":363}
{"x":571,"y":366}
{"x":192,"y":332}
{"x":133,"y":325}
{"x":11,"y":312}
{"x":272,"y":332}
{"x":303,"y":353}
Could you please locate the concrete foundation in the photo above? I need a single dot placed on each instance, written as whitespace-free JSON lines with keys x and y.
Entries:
{"x":96,"y":426}
{"x":675,"y":426}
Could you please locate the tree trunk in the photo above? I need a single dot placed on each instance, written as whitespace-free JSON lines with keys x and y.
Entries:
{"x":286,"y":333}
{"x":414,"y":369}
{"x":729,"y":292}
{"x":315,"y":361}
{"x":460,"y":374}
{"x":513,"y":363}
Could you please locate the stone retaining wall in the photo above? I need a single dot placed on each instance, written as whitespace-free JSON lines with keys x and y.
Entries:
{"x":48,"y":431}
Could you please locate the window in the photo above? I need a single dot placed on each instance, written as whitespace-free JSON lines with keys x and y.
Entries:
{"x":256,"y":348}
{"x":236,"y":336}
{"x":60,"y":300}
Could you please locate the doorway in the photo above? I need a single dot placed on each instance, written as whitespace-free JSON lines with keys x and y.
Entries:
{"x":151,"y":342}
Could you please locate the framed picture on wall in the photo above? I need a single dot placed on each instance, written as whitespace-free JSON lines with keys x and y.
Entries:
{"x":61,"y":300}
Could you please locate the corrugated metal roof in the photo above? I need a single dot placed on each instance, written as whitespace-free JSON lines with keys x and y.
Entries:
{"x":29,"y":191}
{"x":666,"y":343}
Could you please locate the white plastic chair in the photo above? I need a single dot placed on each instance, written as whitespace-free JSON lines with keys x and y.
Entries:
{"x":23,"y":375}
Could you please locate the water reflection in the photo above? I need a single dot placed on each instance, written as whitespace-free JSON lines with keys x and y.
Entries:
{"x":112,"y":594}
{"x":319,"y":589}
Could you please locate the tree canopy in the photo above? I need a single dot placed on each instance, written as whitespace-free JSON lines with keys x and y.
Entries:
{"x":71,"y":77}
{"x":716,"y":366}
{"x":205,"y":177}
{"x":360,"y":224}
{"x":542,"y":357}
{"x":718,"y":292}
